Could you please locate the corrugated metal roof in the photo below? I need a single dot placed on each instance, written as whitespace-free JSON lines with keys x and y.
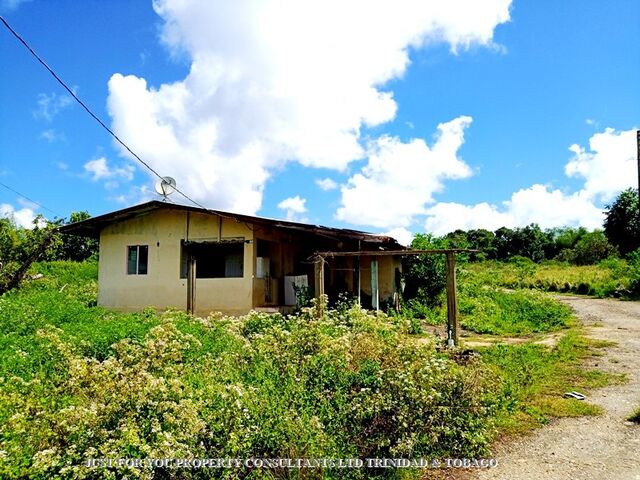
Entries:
{"x":92,"y":226}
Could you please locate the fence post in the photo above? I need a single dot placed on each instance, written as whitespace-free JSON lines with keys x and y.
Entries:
{"x":452,"y":303}
{"x":375,"y":291}
{"x":191,"y":284}
{"x":319,"y":276}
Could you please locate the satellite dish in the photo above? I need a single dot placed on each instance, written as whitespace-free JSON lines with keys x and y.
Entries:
{"x":165,"y":186}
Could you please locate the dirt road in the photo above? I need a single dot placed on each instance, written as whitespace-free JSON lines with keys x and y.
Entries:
{"x":588,"y":448}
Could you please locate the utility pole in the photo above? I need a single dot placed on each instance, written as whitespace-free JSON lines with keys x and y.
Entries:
{"x":638,"y":150}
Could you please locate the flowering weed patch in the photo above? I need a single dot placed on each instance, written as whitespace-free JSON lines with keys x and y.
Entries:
{"x":78,"y":382}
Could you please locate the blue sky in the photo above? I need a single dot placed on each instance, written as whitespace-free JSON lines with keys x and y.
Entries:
{"x":458,"y":116}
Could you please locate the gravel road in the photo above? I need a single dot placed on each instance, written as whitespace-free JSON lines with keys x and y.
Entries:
{"x":588,"y":448}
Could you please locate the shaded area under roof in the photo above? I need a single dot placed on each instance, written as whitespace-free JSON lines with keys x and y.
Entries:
{"x":94,"y":225}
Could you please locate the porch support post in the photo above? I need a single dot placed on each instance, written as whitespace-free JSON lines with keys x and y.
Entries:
{"x":191,"y":284}
{"x":319,"y":276}
{"x":452,"y":303}
{"x":357,"y":279}
{"x":375,"y":293}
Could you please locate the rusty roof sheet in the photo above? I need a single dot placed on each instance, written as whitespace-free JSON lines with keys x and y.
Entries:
{"x":92,"y":226}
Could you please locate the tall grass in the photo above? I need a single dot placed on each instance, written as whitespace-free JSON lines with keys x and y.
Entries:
{"x":635,"y":416}
{"x":498,"y":312}
{"x":609,"y":278}
{"x":490,"y":309}
{"x":80,"y":382}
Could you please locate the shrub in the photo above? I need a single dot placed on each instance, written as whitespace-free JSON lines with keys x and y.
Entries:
{"x":592,"y":248}
{"x":494,"y":311}
{"x":325,"y":383}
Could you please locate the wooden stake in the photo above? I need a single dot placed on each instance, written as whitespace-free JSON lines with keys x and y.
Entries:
{"x":375,"y":292}
{"x":191,"y":284}
{"x":319,"y":276}
{"x":357,"y":272}
{"x":452,"y":304}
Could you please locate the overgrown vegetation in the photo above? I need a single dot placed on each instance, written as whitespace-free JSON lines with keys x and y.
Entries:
{"x":20,"y":246}
{"x":498,"y":312}
{"x":484,"y":305}
{"x":566,"y":260}
{"x":609,"y":278}
{"x":80,"y":382}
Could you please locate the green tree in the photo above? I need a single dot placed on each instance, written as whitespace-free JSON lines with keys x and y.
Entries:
{"x":622,"y":221}
{"x":73,"y":247}
{"x":482,"y":240}
{"x":564,"y":241}
{"x":592,"y":248}
{"x":10,"y":238}
{"x":23,"y":246}
{"x":425,"y":275}
{"x":530,"y":242}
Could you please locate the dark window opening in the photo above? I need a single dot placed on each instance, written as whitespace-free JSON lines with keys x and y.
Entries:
{"x":219,"y":260}
{"x":137,"y":259}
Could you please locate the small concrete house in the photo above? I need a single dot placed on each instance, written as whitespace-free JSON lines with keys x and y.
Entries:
{"x":166,"y":255}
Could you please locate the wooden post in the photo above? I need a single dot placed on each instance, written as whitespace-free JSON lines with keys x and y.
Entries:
{"x":357,"y":280}
{"x":638,"y":153}
{"x":452,"y":304}
{"x":319,"y":276}
{"x":375,"y":293}
{"x":191,"y":284}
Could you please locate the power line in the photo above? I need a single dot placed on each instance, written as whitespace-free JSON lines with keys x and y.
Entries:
{"x":29,"y":199}
{"x":104,"y":126}
{"x":90,"y":112}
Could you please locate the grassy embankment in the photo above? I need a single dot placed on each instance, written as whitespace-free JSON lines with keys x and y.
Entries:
{"x":610,"y":278}
{"x":78,"y":382}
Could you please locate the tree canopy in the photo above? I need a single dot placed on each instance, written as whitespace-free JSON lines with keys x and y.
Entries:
{"x":622,"y":221}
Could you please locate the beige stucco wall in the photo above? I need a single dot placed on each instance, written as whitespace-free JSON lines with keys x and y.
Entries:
{"x":162,"y":286}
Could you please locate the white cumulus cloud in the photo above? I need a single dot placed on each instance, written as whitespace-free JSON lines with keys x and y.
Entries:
{"x":294,"y":208}
{"x":536,"y":204}
{"x":401,"y":234}
{"x":607,"y":167}
{"x":326,"y":184}
{"x":99,"y":169}
{"x":278,"y":81}
{"x":23,"y":217}
{"x":400,"y":178}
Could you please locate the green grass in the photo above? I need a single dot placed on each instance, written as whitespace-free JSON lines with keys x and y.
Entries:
{"x":488,"y":309}
{"x":611,"y":277}
{"x":535,"y":378}
{"x":65,"y":298}
{"x":79,"y":381}
{"x":635,"y":416}
{"x":517,"y":313}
